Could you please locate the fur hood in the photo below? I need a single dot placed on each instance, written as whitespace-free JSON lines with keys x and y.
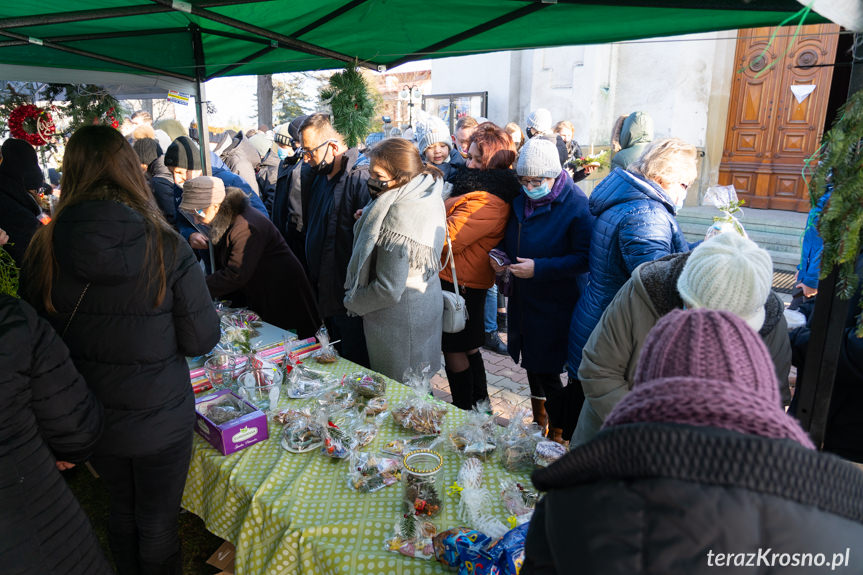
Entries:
{"x":234,"y":204}
{"x":501,"y":183}
{"x":659,"y":280}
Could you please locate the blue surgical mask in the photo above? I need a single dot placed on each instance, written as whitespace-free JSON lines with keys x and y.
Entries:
{"x":536,"y":193}
{"x":282,"y":152}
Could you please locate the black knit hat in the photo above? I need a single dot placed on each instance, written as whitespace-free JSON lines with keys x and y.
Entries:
{"x":183,"y":153}
{"x":19,"y":161}
{"x":294,"y":127}
{"x":147,"y":150}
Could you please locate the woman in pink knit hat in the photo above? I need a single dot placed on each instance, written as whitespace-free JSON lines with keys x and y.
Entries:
{"x":697,"y":469}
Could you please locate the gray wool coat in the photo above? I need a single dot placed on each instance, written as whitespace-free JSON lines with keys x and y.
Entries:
{"x":402,"y":304}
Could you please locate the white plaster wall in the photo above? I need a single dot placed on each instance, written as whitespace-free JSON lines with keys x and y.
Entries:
{"x":671,"y":81}
{"x":481,"y":73}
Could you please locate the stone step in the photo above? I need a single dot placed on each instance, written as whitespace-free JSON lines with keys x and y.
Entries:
{"x":768,"y":241}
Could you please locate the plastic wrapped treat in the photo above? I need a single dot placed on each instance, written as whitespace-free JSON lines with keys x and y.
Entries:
{"x":327,"y":353}
{"x":476,"y":501}
{"x":518,"y":442}
{"x":422,"y":482}
{"x":724,"y":198}
{"x":420,"y":412}
{"x":301,"y":433}
{"x":365,"y":385}
{"x":353,"y":423}
{"x":518,"y":500}
{"x":375,"y":406}
{"x":547,"y":452}
{"x":459,"y":546}
{"x":412,"y":536}
{"x":402,"y":446}
{"x":371,"y":472}
{"x":227,"y":409}
{"x":477,"y":435}
{"x":336,"y":398}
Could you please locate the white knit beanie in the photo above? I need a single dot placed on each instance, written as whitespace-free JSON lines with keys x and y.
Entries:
{"x":431,"y":130}
{"x":538,"y":158}
{"x":539,"y":120}
{"x":728,"y":272}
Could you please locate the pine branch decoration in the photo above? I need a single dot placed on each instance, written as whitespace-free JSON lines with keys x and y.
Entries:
{"x":8,"y":274}
{"x":352,"y":104}
{"x":841,"y":164}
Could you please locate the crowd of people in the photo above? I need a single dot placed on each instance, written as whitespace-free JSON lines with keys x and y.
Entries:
{"x":665,"y":344}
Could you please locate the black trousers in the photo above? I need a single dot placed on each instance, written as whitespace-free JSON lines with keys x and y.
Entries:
{"x":145,"y":495}
{"x":562,"y":404}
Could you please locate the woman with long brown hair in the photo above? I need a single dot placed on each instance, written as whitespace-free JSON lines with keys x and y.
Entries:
{"x":477,"y":210}
{"x":127,"y":296}
{"x":392,"y":276}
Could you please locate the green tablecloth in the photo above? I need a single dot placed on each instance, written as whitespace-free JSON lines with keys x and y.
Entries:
{"x":295,"y":513}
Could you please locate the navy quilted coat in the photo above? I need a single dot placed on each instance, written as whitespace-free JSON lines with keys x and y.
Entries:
{"x":634,"y":224}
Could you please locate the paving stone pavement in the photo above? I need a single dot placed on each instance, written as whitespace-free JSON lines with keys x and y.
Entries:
{"x":507,"y":384}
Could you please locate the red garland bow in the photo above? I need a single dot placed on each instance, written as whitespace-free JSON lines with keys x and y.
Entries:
{"x":44,"y":124}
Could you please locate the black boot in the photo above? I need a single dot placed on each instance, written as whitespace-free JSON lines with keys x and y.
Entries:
{"x":461,"y":387}
{"x":501,"y":321}
{"x":493,"y":343}
{"x":480,"y":382}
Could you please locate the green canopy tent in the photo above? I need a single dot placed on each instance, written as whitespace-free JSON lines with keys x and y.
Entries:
{"x":175,"y":43}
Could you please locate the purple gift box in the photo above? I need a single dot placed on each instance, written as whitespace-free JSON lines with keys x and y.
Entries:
{"x":236,"y":434}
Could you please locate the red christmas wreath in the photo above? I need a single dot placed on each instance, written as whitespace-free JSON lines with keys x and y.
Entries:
{"x":42,"y":121}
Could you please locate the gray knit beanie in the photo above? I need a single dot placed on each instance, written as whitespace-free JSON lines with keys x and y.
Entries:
{"x":262,"y":143}
{"x":430,"y":131}
{"x":539,"y":120}
{"x":538,"y":158}
{"x":202,"y":192}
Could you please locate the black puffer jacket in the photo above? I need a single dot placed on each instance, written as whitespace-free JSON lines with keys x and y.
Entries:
{"x":47,"y":414}
{"x":131,"y":353}
{"x":267,"y":174}
{"x":18,"y":215}
{"x":667,"y":499}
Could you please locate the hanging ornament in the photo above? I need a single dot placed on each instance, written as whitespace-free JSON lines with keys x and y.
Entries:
{"x":110,"y":119}
{"x":352,"y":104}
{"x":39,"y":121}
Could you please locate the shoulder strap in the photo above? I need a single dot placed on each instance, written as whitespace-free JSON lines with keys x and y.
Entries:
{"x":451,"y":258}
{"x":74,"y":311}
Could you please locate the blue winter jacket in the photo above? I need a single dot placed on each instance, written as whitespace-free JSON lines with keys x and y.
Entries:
{"x":810,"y":253}
{"x":557,"y":237}
{"x":634,"y":224}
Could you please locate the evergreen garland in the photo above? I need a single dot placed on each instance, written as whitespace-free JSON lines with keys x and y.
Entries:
{"x":840,"y":224}
{"x":8,"y":274}
{"x":352,"y":104}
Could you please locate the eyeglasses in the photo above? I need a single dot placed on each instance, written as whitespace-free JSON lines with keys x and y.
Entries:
{"x":684,"y":186}
{"x":307,"y":154}
{"x":533,"y":182}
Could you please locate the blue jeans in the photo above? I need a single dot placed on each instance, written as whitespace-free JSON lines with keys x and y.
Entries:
{"x":491,"y":309}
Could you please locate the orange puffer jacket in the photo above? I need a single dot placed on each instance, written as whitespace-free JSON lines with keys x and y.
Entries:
{"x":476,"y":215}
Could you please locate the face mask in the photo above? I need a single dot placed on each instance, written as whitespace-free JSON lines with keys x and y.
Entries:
{"x":376,"y":186}
{"x":536,"y":193}
{"x":282,"y":152}
{"x":323,"y":167}
{"x":679,"y":205}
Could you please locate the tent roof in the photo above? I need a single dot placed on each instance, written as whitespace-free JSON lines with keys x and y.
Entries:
{"x":240,"y":37}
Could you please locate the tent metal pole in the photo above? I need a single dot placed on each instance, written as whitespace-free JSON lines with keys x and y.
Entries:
{"x":104,"y":36}
{"x":98,"y":14}
{"x":287,"y":41}
{"x":201,"y":99}
{"x":201,"y":111}
{"x":827,"y":329}
{"x":95,"y":56}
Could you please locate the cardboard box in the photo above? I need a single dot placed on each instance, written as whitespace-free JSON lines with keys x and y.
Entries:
{"x":234,"y":435}
{"x":223,"y":558}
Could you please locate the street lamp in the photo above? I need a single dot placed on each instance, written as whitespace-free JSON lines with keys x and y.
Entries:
{"x":410,"y":93}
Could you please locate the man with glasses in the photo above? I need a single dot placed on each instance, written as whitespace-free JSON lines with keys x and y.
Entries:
{"x":338,"y":190}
